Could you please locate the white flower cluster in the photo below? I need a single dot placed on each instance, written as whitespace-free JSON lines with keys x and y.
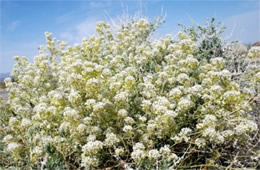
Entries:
{"x":111,"y":139}
{"x":13,"y":146}
{"x":183,"y":135}
{"x":185,"y":104}
{"x":153,"y":154}
{"x":121,"y":93}
{"x":212,"y":135}
{"x":254,"y":53}
{"x":139,"y":152}
{"x":92,"y":147}
{"x":245,"y":126}
{"x":209,"y":120}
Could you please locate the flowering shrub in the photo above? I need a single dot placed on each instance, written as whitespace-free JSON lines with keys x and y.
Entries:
{"x":120,"y":100}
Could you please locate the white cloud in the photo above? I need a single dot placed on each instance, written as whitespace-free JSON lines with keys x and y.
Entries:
{"x":99,"y":4}
{"x":84,"y":29}
{"x":87,"y":27}
{"x":103,"y":4}
{"x":244,"y":27}
{"x":14,"y":25}
{"x":68,"y":36}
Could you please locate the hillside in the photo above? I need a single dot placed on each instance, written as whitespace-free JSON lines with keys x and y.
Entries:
{"x":3,"y":76}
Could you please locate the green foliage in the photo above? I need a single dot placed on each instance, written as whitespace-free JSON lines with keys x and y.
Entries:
{"x":208,"y":39}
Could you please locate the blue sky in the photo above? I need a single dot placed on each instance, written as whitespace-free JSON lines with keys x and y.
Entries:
{"x":23,"y":23}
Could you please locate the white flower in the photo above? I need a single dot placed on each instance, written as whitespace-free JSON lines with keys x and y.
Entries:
{"x":121,"y":97}
{"x":151,"y":127}
{"x":87,"y":120}
{"x":106,"y":72}
{"x":207,"y":82}
{"x":171,"y":114}
{"x":44,"y":100}
{"x":245,"y":126}
{"x":162,"y":101}
{"x":74,"y":96}
{"x":219,"y":139}
{"x":13,"y":121}
{"x":82,"y":128}
{"x":200,"y":142}
{"x":209,"y":132}
{"x":93,"y":82}
{"x":216,"y":89}
{"x":212,"y":135}
{"x":165,"y":151}
{"x":231,"y":96}
{"x":138,"y":146}
{"x":127,"y":128}
{"x":159,"y":109}
{"x":175,"y":93}
{"x":196,"y":90}
{"x":8,"y":80}
{"x":142,"y":118}
{"x":146,"y":104}
{"x":69,"y":112}
{"x":37,"y":150}
{"x":257,"y":77}
{"x":92,"y":147}
{"x":138,"y":155}
{"x":99,"y":107}
{"x":64,"y":126}
{"x":254,"y":53}
{"x":182,"y":78}
{"x":90,"y":103}
{"x":7,"y":138}
{"x":111,"y":139}
{"x":52,"y":110}
{"x":91,"y":138}
{"x":183,"y":135}
{"x":218,"y":61}
{"x":225,"y":74}
{"x":55,"y":97}
{"x":191,"y":62}
{"x":98,"y":68}
{"x":26,"y":122}
{"x":122,"y":113}
{"x":172,"y":157}
{"x":128,"y":120}
{"x":13,"y":146}
{"x":40,"y":108}
{"x":129,"y":79}
{"x":185,"y":104}
{"x":88,"y":161}
{"x":209,"y":120}
{"x":47,"y":139}
{"x":48,"y":35}
{"x":153,"y":154}
{"x":119,"y":151}
{"x":227,"y":133}
{"x":182,"y":35}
